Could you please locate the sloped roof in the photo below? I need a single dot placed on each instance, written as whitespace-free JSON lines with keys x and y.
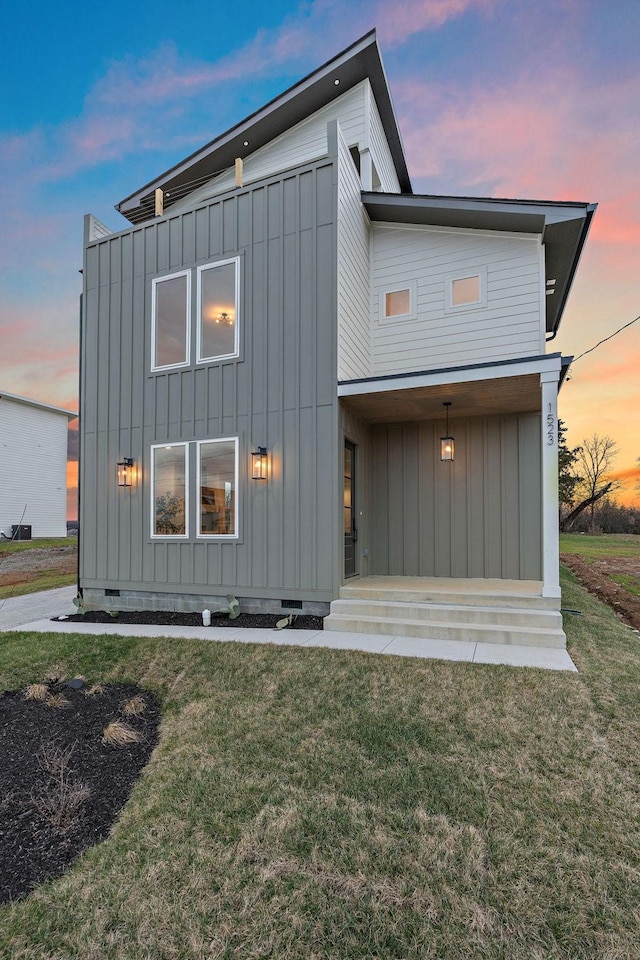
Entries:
{"x":358,"y":62}
{"x":36,"y":403}
{"x":562,"y":226}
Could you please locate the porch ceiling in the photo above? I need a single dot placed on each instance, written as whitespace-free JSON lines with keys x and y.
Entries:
{"x":477,"y":398}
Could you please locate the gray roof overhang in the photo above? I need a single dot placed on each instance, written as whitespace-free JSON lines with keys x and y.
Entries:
{"x":475,"y":390}
{"x":358,"y":62}
{"x":562,"y":226}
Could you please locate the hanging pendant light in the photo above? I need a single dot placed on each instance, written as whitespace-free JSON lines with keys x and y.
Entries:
{"x":447,"y":444}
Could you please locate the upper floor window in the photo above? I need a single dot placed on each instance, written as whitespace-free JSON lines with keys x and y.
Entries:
{"x":466,"y":290}
{"x":170,"y":334}
{"x":218,"y":303}
{"x":398,"y":302}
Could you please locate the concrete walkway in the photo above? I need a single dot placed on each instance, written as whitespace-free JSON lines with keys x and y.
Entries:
{"x":35,"y":606}
{"x":33,"y":612}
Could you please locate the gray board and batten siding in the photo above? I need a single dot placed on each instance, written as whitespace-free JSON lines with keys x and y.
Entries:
{"x":476,"y":517}
{"x":279,"y":393}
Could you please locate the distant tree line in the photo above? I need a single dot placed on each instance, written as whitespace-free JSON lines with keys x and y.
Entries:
{"x":587,"y":489}
{"x":608,"y":517}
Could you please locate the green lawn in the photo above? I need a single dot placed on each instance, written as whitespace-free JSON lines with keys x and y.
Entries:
{"x":19,"y":546}
{"x":630,"y":583}
{"x":38,"y":579}
{"x":329,"y":804}
{"x":606,"y":545}
{"x":44,"y":580}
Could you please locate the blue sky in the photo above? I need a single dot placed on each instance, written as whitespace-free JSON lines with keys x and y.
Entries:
{"x":494,"y":97}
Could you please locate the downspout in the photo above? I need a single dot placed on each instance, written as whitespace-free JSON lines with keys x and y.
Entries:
{"x":79,"y":589}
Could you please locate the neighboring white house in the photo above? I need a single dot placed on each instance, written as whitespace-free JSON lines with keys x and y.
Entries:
{"x":33,"y":466}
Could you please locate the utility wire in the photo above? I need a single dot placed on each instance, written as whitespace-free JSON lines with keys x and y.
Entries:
{"x":610,"y":337}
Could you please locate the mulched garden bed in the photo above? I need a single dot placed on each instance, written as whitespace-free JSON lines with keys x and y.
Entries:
{"x":61,"y":786}
{"x":169,"y":618}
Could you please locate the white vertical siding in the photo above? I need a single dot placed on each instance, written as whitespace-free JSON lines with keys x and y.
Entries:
{"x":304,"y":142}
{"x":33,"y":468}
{"x":354,"y":333}
{"x":380,"y":152}
{"x":509,"y":325}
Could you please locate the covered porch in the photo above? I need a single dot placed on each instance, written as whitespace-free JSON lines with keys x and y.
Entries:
{"x":460,"y":548}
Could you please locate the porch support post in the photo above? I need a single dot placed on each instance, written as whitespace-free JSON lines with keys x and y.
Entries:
{"x":549,"y":439}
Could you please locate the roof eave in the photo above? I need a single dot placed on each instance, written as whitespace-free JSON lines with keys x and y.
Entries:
{"x":69,"y":414}
{"x":563,"y":226}
{"x":358,"y":62}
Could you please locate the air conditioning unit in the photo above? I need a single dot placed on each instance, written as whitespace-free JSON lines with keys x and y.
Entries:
{"x":21,"y":531}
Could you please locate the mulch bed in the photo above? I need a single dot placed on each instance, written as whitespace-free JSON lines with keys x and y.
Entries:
{"x":169,"y":618}
{"x":61,"y":787}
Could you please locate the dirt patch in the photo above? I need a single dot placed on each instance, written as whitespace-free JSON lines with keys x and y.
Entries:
{"x":61,"y":786}
{"x":20,"y":567}
{"x":596,"y":575}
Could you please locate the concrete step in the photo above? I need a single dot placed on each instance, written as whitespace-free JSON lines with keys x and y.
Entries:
{"x":466,"y":596}
{"x":448,"y":630}
{"x":476,"y":615}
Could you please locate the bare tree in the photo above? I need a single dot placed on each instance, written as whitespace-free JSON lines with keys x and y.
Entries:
{"x":595,"y":458}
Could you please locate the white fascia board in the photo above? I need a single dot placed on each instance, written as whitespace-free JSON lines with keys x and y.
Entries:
{"x":36,"y":403}
{"x":549,"y":367}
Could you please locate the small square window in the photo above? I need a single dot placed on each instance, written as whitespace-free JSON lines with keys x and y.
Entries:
{"x":465,"y":290}
{"x":397,"y":303}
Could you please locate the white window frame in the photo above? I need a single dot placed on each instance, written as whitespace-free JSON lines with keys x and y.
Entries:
{"x":480,"y":303}
{"x":169,"y":536}
{"x":219,"y":536}
{"x":210,"y":266}
{"x":154,"y":284}
{"x":412,"y":287}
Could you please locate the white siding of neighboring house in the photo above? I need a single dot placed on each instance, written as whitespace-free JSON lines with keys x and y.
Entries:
{"x":354,"y":331}
{"x":304,"y":142}
{"x":380,"y":152}
{"x":33,"y":469}
{"x":510,"y":325}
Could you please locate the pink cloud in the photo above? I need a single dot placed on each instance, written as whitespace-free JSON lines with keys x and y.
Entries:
{"x":396,"y":22}
{"x":553,"y":138}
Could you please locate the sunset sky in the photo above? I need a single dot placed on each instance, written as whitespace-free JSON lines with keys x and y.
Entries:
{"x":498,"y":98}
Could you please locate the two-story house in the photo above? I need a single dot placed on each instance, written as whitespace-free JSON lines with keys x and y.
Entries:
{"x":308,"y":387}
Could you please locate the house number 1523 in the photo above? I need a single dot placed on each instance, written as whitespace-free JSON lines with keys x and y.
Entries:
{"x":551,"y":424}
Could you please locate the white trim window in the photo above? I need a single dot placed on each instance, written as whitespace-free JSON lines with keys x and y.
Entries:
{"x":218,"y":308}
{"x":217,"y":473}
{"x":466,"y":290}
{"x":171,"y":321}
{"x":170,"y":490}
{"x":399,"y":302}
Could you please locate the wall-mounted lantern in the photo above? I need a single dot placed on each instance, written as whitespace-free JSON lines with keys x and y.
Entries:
{"x":259,"y":463}
{"x":125,"y":472}
{"x":447,"y":444}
